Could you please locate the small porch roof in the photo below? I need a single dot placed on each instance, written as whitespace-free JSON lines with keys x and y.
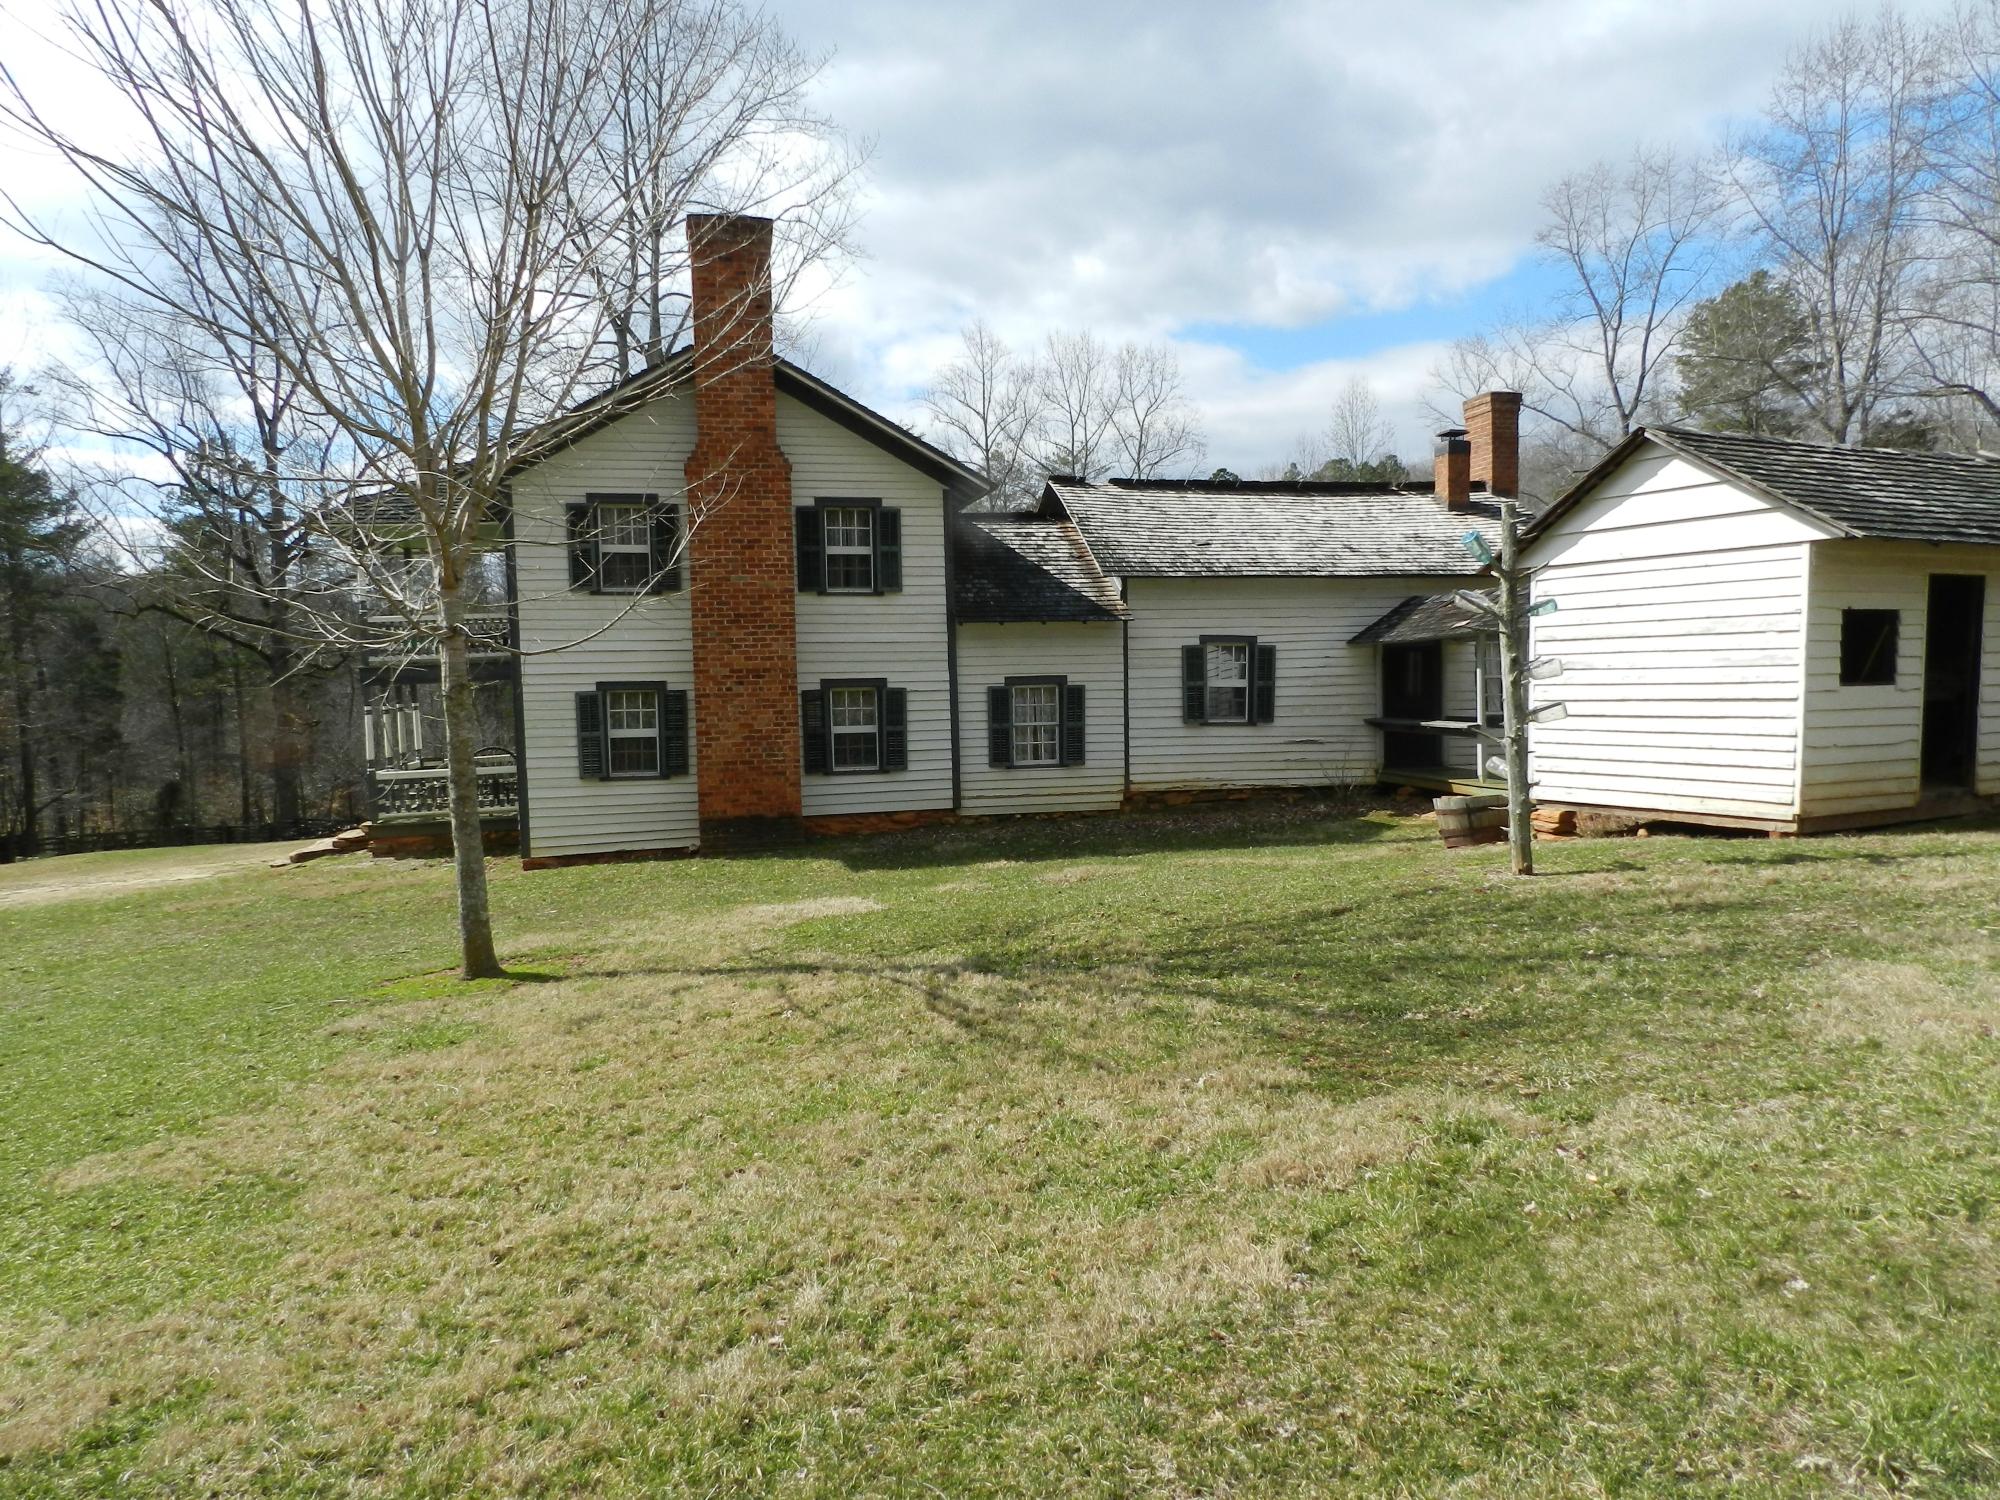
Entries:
{"x":1425,"y":617}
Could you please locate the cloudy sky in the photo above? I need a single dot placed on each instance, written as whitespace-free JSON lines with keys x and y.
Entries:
{"x":1289,"y":193}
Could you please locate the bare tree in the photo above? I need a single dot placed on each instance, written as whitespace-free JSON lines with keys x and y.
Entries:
{"x":1953,"y":315}
{"x":402,"y":205}
{"x":1152,"y":420}
{"x":1355,"y":431}
{"x":1636,"y":246}
{"x":982,"y":409}
{"x":1832,"y":190}
{"x":230,"y":494}
{"x":1076,"y":399}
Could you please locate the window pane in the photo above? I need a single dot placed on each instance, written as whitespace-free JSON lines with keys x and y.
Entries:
{"x":624,"y":570}
{"x":850,"y":572}
{"x":1228,"y":703}
{"x":635,"y":755}
{"x":624,"y":526}
{"x":632,"y":711}
{"x":1229,"y":663}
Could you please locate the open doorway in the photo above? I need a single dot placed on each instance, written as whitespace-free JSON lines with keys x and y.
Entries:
{"x":1952,"y":638}
{"x":1413,"y":688}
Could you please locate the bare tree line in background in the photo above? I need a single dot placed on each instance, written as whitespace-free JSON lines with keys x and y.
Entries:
{"x":1076,"y":406}
{"x":1831,"y":272}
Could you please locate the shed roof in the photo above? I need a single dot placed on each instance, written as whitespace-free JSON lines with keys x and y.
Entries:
{"x":1192,"y":529}
{"x":1426,"y":617}
{"x":1015,"y":569}
{"x":1886,"y":493}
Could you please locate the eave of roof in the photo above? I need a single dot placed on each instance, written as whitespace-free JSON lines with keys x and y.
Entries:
{"x":633,"y":392}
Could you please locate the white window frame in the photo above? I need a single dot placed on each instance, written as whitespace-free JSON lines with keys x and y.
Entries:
{"x":616,"y":520}
{"x":1044,"y":732}
{"x":853,"y":520}
{"x":1238,"y":654}
{"x":645,"y":730}
{"x":861,"y":697}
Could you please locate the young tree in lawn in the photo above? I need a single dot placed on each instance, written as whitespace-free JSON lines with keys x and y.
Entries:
{"x":982,"y":409}
{"x":1833,"y":188}
{"x":409,"y":207}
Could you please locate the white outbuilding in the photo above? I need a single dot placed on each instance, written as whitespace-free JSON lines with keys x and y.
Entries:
{"x":1770,"y":634}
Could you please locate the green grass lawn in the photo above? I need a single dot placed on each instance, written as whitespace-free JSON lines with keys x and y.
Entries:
{"x":1212,"y":1154}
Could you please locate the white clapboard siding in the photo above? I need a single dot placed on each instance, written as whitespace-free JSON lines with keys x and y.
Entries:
{"x":1863,"y":744}
{"x":902,"y":637}
{"x":1326,"y":689}
{"x":646,"y":640}
{"x":1090,"y":654}
{"x":1681,"y":603}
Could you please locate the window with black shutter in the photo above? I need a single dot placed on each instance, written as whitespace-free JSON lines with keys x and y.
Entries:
{"x":848,"y":546}
{"x":624,"y":544}
{"x":855,"y":726}
{"x":1035,"y":721}
{"x":630,"y":731}
{"x":1229,"y":679}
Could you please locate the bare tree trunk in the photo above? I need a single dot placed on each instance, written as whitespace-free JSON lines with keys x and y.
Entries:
{"x":242,"y":740}
{"x":468,"y":840}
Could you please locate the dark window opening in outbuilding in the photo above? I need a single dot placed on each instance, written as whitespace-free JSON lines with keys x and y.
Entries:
{"x":1868,"y":647}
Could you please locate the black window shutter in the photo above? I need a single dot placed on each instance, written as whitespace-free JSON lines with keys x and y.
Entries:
{"x":895,"y":729}
{"x":812,"y":726}
{"x":1264,"y":685}
{"x":806,"y":537}
{"x":666,"y":577}
{"x":888,"y":551}
{"x":999,"y":726}
{"x":1072,"y":724}
{"x":590,"y":736}
{"x":674,"y":733}
{"x":1194,"y":684}
{"x":582,"y":547}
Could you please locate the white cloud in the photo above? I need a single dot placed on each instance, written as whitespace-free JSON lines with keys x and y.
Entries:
{"x":1158,"y":169}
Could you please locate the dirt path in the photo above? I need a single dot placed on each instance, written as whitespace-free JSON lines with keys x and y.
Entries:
{"x":75,"y":877}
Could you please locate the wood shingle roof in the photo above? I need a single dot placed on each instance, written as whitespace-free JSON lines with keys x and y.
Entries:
{"x":1150,"y":529}
{"x":1887,"y":493}
{"x":1015,"y":569}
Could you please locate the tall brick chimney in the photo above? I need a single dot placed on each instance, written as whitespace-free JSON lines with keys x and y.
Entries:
{"x":742,"y":602}
{"x":1493,"y":420}
{"x":1451,"y":468}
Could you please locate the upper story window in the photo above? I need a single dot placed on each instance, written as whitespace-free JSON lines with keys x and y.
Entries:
{"x":624,"y":544}
{"x":850,"y":548}
{"x":1228,"y":667}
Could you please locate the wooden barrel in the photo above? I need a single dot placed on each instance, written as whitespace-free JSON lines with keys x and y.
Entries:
{"x":1466,"y":821}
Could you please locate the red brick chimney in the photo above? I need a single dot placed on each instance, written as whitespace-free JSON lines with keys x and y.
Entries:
{"x":742,"y":600}
{"x":1493,"y":419}
{"x":1451,"y":468}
